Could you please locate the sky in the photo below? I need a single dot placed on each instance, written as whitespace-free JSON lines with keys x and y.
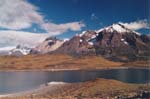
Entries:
{"x":29,"y":22}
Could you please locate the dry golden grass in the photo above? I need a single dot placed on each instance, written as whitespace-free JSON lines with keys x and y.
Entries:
{"x":140,"y":63}
{"x":48,"y":62}
{"x":105,"y":87}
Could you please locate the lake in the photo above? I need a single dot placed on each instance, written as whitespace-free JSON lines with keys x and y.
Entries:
{"x":12,"y":82}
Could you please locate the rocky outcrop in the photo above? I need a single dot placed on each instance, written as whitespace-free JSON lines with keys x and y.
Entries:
{"x":19,"y":51}
{"x":78,"y":45}
{"x":49,"y":45}
{"x":114,"y":42}
{"x":123,"y":44}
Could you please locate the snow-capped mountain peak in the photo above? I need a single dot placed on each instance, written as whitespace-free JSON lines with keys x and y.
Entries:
{"x":115,"y":27}
{"x":20,"y":49}
{"x":119,"y":27}
{"x":114,"y":33}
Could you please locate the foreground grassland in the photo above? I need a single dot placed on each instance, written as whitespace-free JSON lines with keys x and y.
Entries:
{"x":62,"y":62}
{"x":97,"y":89}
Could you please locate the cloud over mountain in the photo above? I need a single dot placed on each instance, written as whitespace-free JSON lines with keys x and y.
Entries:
{"x":137,"y":25}
{"x":21,"y":14}
{"x":13,"y":38}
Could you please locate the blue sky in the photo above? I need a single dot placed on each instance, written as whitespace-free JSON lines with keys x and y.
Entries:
{"x":31,"y":21}
{"x":94,"y":13}
{"x":107,"y":11}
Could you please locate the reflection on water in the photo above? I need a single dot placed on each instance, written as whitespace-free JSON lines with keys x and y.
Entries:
{"x":11,"y":82}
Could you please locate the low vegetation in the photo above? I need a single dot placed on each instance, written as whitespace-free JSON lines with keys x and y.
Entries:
{"x":47,"y":62}
{"x":62,"y":62}
{"x":97,"y":89}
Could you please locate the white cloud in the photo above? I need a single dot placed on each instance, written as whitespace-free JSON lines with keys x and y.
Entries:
{"x":7,"y":48}
{"x":137,"y":25}
{"x":20,"y":14}
{"x":61,"y":28}
{"x":13,"y":38}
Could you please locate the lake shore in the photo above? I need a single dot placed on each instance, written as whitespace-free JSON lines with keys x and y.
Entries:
{"x":99,"y":88}
{"x":51,"y":86}
{"x":75,"y":69}
{"x":96,"y":89}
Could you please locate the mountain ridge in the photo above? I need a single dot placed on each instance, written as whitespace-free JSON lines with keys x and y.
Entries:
{"x":115,"y":42}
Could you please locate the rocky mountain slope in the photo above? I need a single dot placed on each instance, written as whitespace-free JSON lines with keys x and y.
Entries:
{"x":50,"y":44}
{"x":114,"y":42}
{"x":79,"y":45}
{"x":119,"y":42}
{"x":19,"y":51}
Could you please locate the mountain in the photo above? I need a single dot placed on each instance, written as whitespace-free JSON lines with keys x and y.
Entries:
{"x":50,"y":44}
{"x":115,"y":42}
{"x":19,"y":51}
{"x":79,"y":45}
{"x":119,"y":42}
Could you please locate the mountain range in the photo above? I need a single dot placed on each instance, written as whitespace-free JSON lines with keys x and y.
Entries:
{"x":115,"y":42}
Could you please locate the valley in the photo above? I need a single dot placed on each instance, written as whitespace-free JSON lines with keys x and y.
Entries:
{"x":74,"y":49}
{"x":111,"y":48}
{"x":63,"y":62}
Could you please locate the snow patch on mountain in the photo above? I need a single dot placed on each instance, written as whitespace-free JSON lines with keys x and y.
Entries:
{"x":115,"y":27}
{"x":90,"y":43}
{"x":90,"y":36}
{"x":120,"y":28}
{"x":82,"y":33}
{"x":81,"y":40}
{"x":50,"y":44}
{"x":21,"y":49}
{"x":125,"y":42}
{"x":66,"y":39}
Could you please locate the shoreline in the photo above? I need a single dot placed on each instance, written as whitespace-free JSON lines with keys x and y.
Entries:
{"x":47,"y":86}
{"x":52,"y":89}
{"x":75,"y":69}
